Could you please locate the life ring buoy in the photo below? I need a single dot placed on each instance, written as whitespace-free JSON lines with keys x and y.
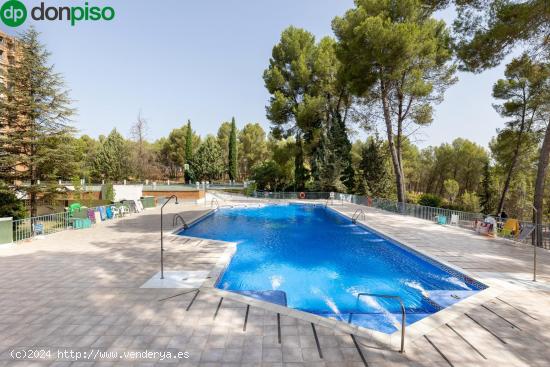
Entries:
{"x":302,"y":195}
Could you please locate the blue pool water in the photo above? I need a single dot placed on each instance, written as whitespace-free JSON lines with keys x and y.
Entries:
{"x":322,"y":261}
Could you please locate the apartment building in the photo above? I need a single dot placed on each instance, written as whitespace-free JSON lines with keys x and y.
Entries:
{"x":7,"y":53}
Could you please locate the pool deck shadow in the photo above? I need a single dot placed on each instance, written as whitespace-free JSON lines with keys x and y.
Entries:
{"x":80,"y":291}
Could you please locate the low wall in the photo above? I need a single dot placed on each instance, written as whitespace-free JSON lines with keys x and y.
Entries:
{"x":6,"y":231}
{"x":182,"y":195}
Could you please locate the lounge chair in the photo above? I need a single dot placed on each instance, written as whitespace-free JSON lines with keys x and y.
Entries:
{"x":510,"y":228}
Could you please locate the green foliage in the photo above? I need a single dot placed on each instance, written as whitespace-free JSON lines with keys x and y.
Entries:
{"x":451,"y":189}
{"x":112,"y":159}
{"x":109,"y":192}
{"x":309,"y":102}
{"x":252,"y":148}
{"x":395,"y":56}
{"x":470,"y":202}
{"x":233,"y":151}
{"x":269,"y":176}
{"x":189,"y":175}
{"x":374,"y":168}
{"x":430,"y":200}
{"x":490,"y":30}
{"x":207,"y":163}
{"x":34,"y":116}
{"x":10,"y":205}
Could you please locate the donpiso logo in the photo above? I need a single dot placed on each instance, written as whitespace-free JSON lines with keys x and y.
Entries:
{"x":14,"y":13}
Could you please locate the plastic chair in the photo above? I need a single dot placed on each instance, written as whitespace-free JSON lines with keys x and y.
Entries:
{"x":454,"y":220}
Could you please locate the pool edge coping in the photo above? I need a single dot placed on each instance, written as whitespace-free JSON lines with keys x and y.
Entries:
{"x":413,"y":331}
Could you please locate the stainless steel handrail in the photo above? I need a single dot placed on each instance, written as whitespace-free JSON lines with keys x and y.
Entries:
{"x":356,"y":215}
{"x":175,"y":221}
{"x":403,"y":313}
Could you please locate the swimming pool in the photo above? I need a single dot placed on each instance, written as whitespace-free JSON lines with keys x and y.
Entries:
{"x":322,"y":261}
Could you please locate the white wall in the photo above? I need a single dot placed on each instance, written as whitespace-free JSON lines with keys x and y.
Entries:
{"x":128,"y":192}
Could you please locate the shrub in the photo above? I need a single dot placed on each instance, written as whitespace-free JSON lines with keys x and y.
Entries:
{"x":470,"y":202}
{"x":10,"y":205}
{"x":429,"y":200}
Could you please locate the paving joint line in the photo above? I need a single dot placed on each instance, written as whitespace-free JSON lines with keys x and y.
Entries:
{"x":193,"y":300}
{"x":438,"y":351}
{"x":217,"y":309}
{"x":493,"y":312}
{"x":466,"y":341}
{"x":486,"y":329}
{"x":279,"y":327}
{"x":515,"y":308}
{"x":317,"y":341}
{"x":359,"y":350}
{"x":246,"y":317}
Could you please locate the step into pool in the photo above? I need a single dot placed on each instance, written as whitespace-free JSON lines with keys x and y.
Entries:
{"x":318,"y":261}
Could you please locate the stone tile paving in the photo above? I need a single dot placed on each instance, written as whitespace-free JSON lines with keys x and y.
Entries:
{"x":79,"y":291}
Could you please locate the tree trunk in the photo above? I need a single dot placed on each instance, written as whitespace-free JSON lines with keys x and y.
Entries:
{"x":509,"y":175}
{"x":539,"y":183}
{"x":396,"y":161}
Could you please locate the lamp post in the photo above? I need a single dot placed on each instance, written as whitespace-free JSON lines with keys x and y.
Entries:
{"x":162,"y":235}
{"x":535,"y":244}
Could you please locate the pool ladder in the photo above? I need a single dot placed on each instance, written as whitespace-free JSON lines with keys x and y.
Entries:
{"x":175,"y":221}
{"x":357,"y":214}
{"x":403,"y":313}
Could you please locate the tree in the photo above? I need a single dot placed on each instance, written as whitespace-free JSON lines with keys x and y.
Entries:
{"x":470,"y":202}
{"x":395,"y":55}
{"x":269,"y":176}
{"x":141,"y":154}
{"x":307,"y":101}
{"x":451,"y":188}
{"x":520,"y":91}
{"x":112,"y":160}
{"x":207,"y":163}
{"x":189,"y":176}
{"x":487,"y":190}
{"x":233,"y":154}
{"x":252,"y":148}
{"x":175,"y":148}
{"x":489,"y":30}
{"x":10,"y":205}
{"x":374,"y":168}
{"x":34,"y":116}
{"x":224,"y":131}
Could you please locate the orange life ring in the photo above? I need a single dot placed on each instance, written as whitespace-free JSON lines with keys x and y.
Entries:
{"x":302,"y":195}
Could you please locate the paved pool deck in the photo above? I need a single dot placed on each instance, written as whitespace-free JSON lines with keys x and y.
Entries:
{"x":79,"y":291}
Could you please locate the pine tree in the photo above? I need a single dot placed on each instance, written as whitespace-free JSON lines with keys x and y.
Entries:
{"x":34,"y":119}
{"x":486,"y":191}
{"x":233,"y":151}
{"x":112,"y":161}
{"x":374,"y":167}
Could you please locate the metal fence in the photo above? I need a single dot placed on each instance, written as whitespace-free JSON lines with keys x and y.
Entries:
{"x":44,"y":224}
{"x":445,"y":216}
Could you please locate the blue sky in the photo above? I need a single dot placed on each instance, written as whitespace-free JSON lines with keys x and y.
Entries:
{"x":203,"y":60}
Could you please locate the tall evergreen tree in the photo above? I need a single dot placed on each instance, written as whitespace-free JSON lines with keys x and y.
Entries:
{"x":112,"y":160}
{"x":521,"y":92}
{"x":397,"y":55}
{"x":233,"y":153}
{"x":486,"y":196}
{"x":375,"y":169}
{"x":189,"y":151}
{"x":34,"y":120}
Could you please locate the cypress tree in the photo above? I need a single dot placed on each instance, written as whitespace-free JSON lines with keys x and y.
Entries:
{"x":233,"y":151}
{"x":188,"y":150}
{"x":34,"y":119}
